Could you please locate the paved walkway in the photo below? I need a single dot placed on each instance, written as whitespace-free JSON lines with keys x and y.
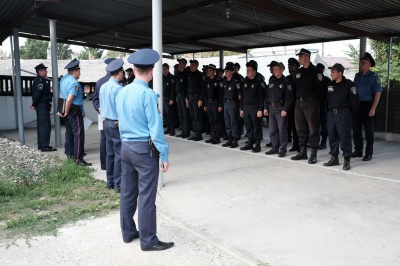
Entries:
{"x":224,"y":206}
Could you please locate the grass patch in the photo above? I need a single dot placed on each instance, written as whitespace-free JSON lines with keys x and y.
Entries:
{"x":63,"y":194}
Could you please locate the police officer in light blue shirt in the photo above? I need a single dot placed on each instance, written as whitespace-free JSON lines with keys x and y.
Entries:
{"x":72,"y":91}
{"x":369,"y":88}
{"x":108,"y":95}
{"x":143,"y":144}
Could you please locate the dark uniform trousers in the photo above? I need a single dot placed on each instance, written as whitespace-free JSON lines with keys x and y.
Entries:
{"x":292,"y":126}
{"x":362,"y":118}
{"x":74,"y":136}
{"x":183,"y":113}
{"x":214,"y":117}
{"x":170,"y":115}
{"x":139,"y":178}
{"x":308,"y":121}
{"x":231,"y":118}
{"x":278,"y":128}
{"x":252,"y":122}
{"x":196,"y":113}
{"x":103,"y":151}
{"x":43,"y":124}
{"x":339,"y":132}
{"x":113,"y":148}
{"x":323,"y":116}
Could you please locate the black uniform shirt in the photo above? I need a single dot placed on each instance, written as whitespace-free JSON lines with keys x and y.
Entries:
{"x":41,"y":91}
{"x":310,"y":83}
{"x":181,"y":81}
{"x":254,"y":91}
{"x":169,"y":86}
{"x":195,"y":83}
{"x":343,"y":95}
{"x":213,"y":90}
{"x":231,"y":89}
{"x":280,"y":90}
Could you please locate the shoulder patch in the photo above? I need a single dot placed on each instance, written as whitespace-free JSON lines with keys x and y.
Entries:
{"x":320,"y":77}
{"x":354,"y":90}
{"x":221,"y":84}
{"x":40,"y":86}
{"x":298,"y":75}
{"x":238,"y":86}
{"x":77,"y":88}
{"x":172,"y":81}
{"x":378,"y":81}
{"x":289,"y":87}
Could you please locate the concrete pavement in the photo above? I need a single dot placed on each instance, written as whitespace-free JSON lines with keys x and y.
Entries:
{"x":224,"y":206}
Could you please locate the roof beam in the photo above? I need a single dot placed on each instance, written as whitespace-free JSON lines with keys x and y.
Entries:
{"x":294,"y":14}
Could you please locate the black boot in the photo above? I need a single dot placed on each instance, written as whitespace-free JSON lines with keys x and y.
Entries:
{"x":302,"y":155}
{"x":192,"y":136}
{"x":313,"y":156}
{"x":234,"y":143}
{"x":295,"y":148}
{"x":322,"y":146}
{"x":228,"y":143}
{"x":198,"y":136}
{"x":346,"y":165}
{"x":216,"y":140}
{"x":257,"y":147}
{"x":332,"y":162}
{"x":248,"y":146}
{"x":211,"y":139}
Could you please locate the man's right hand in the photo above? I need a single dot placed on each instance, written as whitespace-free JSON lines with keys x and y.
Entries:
{"x":164,"y":167}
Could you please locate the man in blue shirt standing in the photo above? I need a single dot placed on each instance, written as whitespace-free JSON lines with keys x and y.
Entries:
{"x":143,"y":144}
{"x":108,"y":95}
{"x":72,"y":91}
{"x":369,"y":88}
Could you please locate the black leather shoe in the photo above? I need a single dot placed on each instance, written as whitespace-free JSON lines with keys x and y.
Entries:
{"x":282,"y":153}
{"x":185,"y":136}
{"x":129,"y":240}
{"x":172,"y":133}
{"x":269,"y":144}
{"x":367,"y":158}
{"x":322,"y":147}
{"x":159,"y":246}
{"x":103,"y":168}
{"x":248,"y":146}
{"x":356,"y":154}
{"x":47,"y":149}
{"x":332,"y":162}
{"x":313,"y":159}
{"x":83,"y":163}
{"x":299,"y":156}
{"x":192,"y":137}
{"x":179,"y":135}
{"x":270,"y":152}
{"x":167,"y":131}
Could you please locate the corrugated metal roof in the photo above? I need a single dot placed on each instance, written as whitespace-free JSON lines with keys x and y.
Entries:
{"x":201,"y":25}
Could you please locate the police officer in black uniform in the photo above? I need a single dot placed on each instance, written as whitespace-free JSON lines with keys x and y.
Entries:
{"x":278,"y":100}
{"x":194,"y":99}
{"x":230,"y":96}
{"x":342,"y":101}
{"x":181,"y":81}
{"x":252,"y":106}
{"x":131,"y":75}
{"x":309,"y":92}
{"x":41,"y":103}
{"x":169,"y":95}
{"x":213,"y":104}
{"x":96,"y":106}
{"x":293,"y":65}
{"x":323,"y":111}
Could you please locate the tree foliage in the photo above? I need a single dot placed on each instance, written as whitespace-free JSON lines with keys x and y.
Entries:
{"x":380,"y":53}
{"x":34,"y":49}
{"x":116,"y":54}
{"x":353,"y":54}
{"x":64,"y":51}
{"x":87,"y":52}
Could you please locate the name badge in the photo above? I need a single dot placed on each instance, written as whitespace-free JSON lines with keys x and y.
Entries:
{"x":330,"y":88}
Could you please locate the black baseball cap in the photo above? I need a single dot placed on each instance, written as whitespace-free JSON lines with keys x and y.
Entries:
{"x":338,"y":67}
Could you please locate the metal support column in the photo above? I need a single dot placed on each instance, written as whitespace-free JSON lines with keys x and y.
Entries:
{"x":157,"y":74}
{"x":221,"y":59}
{"x":13,"y":81}
{"x":388,"y":83}
{"x":247,"y":56}
{"x":363,"y":45}
{"x":54,"y":74}
{"x":18,"y":86}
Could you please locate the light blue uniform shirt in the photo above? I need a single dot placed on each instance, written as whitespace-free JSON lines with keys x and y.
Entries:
{"x":367,"y":85}
{"x":70,"y":85}
{"x":139,"y":117}
{"x":108,"y":95}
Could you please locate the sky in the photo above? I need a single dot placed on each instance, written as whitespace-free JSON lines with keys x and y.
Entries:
{"x":335,"y":49}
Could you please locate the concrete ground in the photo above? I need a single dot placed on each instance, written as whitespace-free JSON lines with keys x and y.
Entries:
{"x":224,"y":206}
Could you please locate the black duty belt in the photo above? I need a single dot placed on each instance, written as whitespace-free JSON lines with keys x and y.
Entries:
{"x":335,"y":111}
{"x":301,"y":99}
{"x":228,"y":100}
{"x":275,"y":103}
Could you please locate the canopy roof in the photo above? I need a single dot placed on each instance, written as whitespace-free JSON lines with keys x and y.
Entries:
{"x":200,"y":25}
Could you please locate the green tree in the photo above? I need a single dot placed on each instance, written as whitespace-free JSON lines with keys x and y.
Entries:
{"x":34,"y":49}
{"x":89,"y":51}
{"x":380,"y":51}
{"x":64,"y":51}
{"x":353,"y":54}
